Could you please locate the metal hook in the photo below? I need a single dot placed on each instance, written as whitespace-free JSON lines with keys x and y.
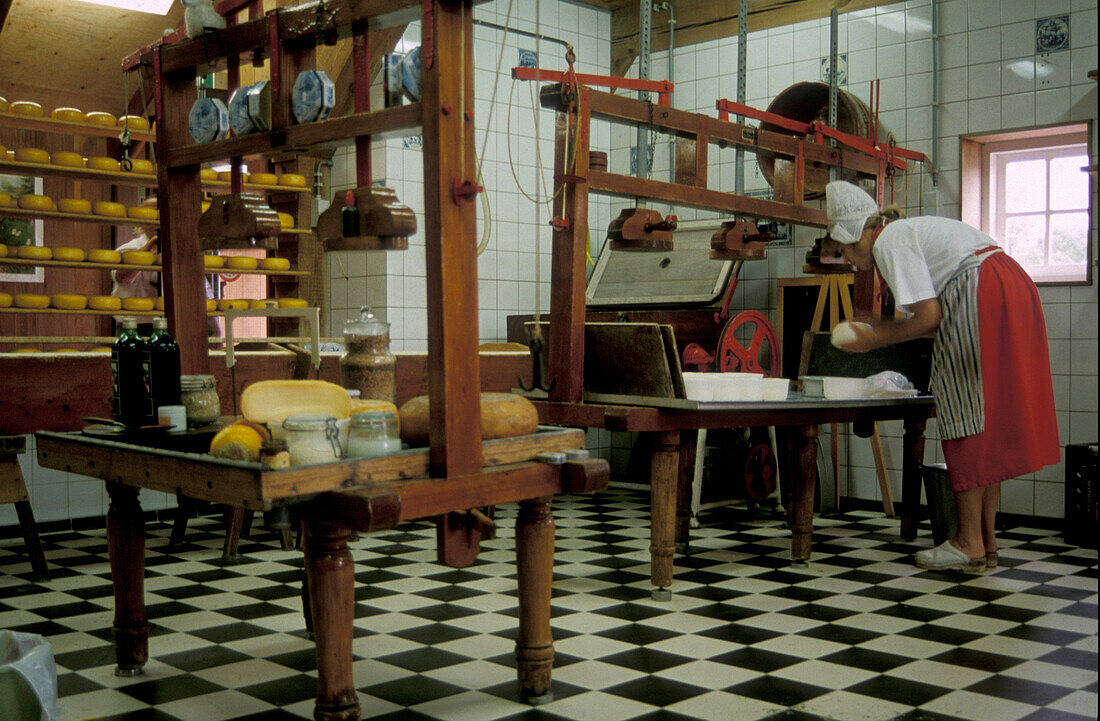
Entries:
{"x":536,"y":362}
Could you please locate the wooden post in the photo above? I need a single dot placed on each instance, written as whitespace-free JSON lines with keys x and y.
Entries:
{"x":447,"y":102}
{"x":535,"y":568}
{"x":805,"y":478}
{"x":330,"y":577}
{"x":912,"y":459}
{"x":126,"y":551}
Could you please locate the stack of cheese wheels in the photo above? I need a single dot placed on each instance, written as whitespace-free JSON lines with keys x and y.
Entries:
{"x":30,"y":201}
{"x":110,"y":208}
{"x":69,"y":301}
{"x":69,"y":115}
{"x":101,"y":255}
{"x":68,"y":159}
{"x":74,"y":205}
{"x":32,"y":155}
{"x":105,"y":302}
{"x":98,"y":117}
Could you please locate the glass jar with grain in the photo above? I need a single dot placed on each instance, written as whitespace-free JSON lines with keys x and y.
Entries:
{"x":367,"y":364}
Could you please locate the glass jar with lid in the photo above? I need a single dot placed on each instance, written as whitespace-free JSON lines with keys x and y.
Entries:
{"x":312,"y":438}
{"x":373,"y":434}
{"x":199,"y":395}
{"x":367,"y":364}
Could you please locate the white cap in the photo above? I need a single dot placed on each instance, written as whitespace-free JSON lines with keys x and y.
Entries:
{"x":848,"y":207}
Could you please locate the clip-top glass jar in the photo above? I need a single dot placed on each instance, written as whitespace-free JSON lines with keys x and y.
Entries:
{"x":199,"y":395}
{"x":373,"y":434}
{"x":312,"y":438}
{"x":367,"y":364}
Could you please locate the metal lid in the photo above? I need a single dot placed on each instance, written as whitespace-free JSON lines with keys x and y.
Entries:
{"x":366,"y":324}
{"x":194,"y":383}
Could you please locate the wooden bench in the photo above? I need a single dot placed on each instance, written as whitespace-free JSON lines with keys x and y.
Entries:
{"x":14,"y":490}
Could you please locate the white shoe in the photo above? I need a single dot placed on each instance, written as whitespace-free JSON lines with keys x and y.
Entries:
{"x":946,"y":556}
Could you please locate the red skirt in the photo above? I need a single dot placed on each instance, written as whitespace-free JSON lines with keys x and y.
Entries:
{"x":1021,"y":429}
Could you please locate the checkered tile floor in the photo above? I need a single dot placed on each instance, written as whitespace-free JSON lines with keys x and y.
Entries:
{"x":858,"y":634}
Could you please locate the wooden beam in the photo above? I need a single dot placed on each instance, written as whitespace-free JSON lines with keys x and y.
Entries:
{"x":5,"y":6}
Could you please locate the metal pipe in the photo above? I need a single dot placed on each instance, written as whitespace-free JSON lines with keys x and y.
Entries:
{"x":672,"y":79}
{"x":645,"y":16}
{"x":742,"y":42}
{"x":517,"y":31}
{"x":935,"y":170}
{"x":833,"y":33}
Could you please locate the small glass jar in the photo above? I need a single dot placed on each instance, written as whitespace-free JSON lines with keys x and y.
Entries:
{"x":373,"y":434}
{"x":312,"y":438}
{"x":199,"y":395}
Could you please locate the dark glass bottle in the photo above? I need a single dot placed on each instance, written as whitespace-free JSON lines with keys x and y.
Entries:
{"x":164,"y":368}
{"x":129,"y":358}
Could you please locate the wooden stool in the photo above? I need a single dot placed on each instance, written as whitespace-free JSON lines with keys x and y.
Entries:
{"x":14,"y":490}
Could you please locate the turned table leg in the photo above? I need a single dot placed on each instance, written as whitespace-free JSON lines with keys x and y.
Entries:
{"x":126,"y":550}
{"x":331,"y":580}
{"x":689,"y":442}
{"x":664,"y":477}
{"x":913,"y":457}
{"x":805,"y":480}
{"x":535,"y":571}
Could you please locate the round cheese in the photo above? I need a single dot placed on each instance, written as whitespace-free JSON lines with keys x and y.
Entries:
{"x":3,"y":105}
{"x":292,"y":303}
{"x":3,"y":250}
{"x":232,"y":304}
{"x":503,"y":415}
{"x":104,"y":302}
{"x":98,"y":117}
{"x":69,"y":115}
{"x":31,"y":300}
{"x":69,"y":301}
{"x":259,"y":303}
{"x":134,"y":122}
{"x":30,"y":201}
{"x":224,"y":176}
{"x":100,"y":255}
{"x":213,"y":261}
{"x":142,"y":212}
{"x":286,"y":220}
{"x":5,"y":300}
{"x":845,"y":332}
{"x":265,"y":178}
{"x":159,"y":305}
{"x":211,"y":305}
{"x":140,"y":165}
{"x":140,"y":304}
{"x":74,"y":205}
{"x":292,"y":179}
{"x":106,"y":207}
{"x":26,"y":107}
{"x":275,"y":264}
{"x":102,"y":163}
{"x":31,"y":155}
{"x":68,"y":159}
{"x":208,"y":174}
{"x":34,"y":252}
{"x":273,"y":401}
{"x":205,"y":205}
{"x":138,"y":257}
{"x":241,"y":262}
{"x":6,"y":201}
{"x":72,"y":255}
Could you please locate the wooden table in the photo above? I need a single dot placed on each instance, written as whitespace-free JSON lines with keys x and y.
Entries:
{"x":333,"y":500}
{"x":671,"y":468}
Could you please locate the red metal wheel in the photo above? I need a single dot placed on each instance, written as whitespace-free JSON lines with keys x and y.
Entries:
{"x":760,"y":472}
{"x":733,"y":356}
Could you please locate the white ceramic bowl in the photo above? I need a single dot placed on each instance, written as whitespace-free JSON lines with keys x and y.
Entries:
{"x":836,"y":388}
{"x":776,"y":389}
{"x":699,"y":386}
{"x":738,"y":387}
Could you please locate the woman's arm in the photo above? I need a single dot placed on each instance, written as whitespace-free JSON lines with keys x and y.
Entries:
{"x":925,"y":318}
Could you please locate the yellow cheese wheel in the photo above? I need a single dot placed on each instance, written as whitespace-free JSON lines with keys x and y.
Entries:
{"x":208,"y":174}
{"x":74,"y":205}
{"x":31,"y":300}
{"x":9,"y":155}
{"x":73,"y":255}
{"x":275,"y":264}
{"x":104,"y":302}
{"x":211,"y":305}
{"x":213,"y":261}
{"x":286,"y":220}
{"x":6,"y":201}
{"x":106,"y":207}
{"x":26,"y":107}
{"x":232,"y":304}
{"x":292,"y":303}
{"x":3,"y":105}
{"x":134,"y":122}
{"x":69,"y":115}
{"x":260,"y":303}
{"x":100,"y":255}
{"x":265,"y":178}
{"x":205,"y":205}
{"x":30,"y":201}
{"x":68,"y":159}
{"x":224,"y":176}
{"x":142,"y":212}
{"x":138,"y":257}
{"x":102,"y":163}
{"x":34,"y":252}
{"x":273,"y":401}
{"x":241,"y":262}
{"x":140,"y":165}
{"x":142,"y":304}
{"x":3,"y":249}
{"x":5,"y":300}
{"x":69,"y":301}
{"x":371,"y":405}
{"x":31,"y":155}
{"x":292,"y":179}
{"x":503,"y":415}
{"x":98,"y":117}
{"x":159,"y":304}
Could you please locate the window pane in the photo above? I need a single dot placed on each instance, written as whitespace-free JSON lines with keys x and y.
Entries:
{"x":1024,"y":181}
{"x":1068,"y":236}
{"x":1069,"y":185}
{"x":1025,"y":239}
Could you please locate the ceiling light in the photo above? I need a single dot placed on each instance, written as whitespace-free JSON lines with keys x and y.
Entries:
{"x":153,"y":7}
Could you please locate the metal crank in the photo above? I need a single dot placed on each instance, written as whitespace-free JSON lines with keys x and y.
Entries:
{"x":733,"y":356}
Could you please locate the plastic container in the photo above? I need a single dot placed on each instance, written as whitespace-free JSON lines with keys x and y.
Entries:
{"x":367,"y":364}
{"x":28,"y":678}
{"x":373,"y":434}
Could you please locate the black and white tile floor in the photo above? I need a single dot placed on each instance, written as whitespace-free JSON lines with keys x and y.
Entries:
{"x":859,"y":634}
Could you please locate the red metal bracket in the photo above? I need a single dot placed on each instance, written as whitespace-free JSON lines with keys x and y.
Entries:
{"x":562,"y":224}
{"x":662,"y":87}
{"x":725,"y":107}
{"x":464,"y":190}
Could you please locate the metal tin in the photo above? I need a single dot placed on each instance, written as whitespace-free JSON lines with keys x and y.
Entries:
{"x":208,"y":120}
{"x":313,"y":96}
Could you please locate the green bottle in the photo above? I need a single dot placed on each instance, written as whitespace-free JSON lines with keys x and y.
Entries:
{"x":129,"y":359}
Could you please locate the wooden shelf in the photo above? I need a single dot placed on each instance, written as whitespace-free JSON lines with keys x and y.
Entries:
{"x":49,"y":125}
{"x":141,"y":180}
{"x":89,"y":265}
{"x":14,"y":212}
{"x":90,"y":311}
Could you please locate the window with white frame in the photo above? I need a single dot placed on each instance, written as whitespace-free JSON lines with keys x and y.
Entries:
{"x":1030,"y":190}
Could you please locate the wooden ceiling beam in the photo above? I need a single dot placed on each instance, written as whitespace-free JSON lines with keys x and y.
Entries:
{"x":5,"y":6}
